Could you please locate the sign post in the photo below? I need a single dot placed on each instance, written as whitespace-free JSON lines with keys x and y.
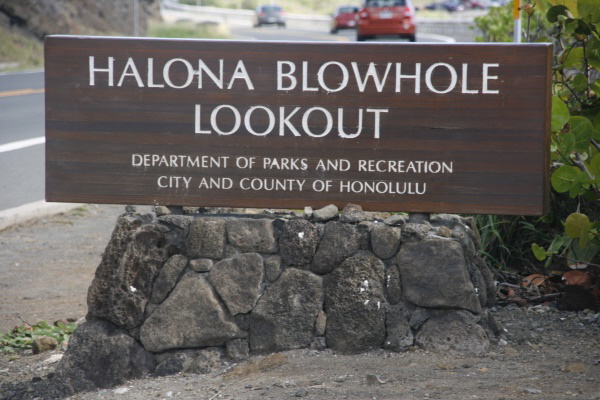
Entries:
{"x":517,"y":21}
{"x":460,"y":128}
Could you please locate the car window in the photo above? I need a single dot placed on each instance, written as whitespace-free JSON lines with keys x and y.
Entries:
{"x":345,"y":10}
{"x":385,"y":3}
{"x":271,"y":9}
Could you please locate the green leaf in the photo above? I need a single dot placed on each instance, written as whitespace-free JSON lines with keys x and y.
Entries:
{"x":538,"y":252}
{"x":557,"y":243}
{"x":582,"y":129}
{"x":577,"y":226}
{"x":594,"y":166}
{"x":562,"y":179}
{"x":567,"y":143}
{"x":574,"y":58}
{"x":589,"y":10}
{"x":583,"y":254}
{"x":593,"y":52}
{"x":578,"y":185}
{"x":554,"y":12}
{"x":595,"y":86}
{"x":580,"y":82}
{"x":560,"y":114}
{"x":597,"y":121}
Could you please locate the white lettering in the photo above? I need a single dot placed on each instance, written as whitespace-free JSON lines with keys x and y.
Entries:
{"x":306,"y":127}
{"x":344,"y":81}
{"x":453,"y":77}
{"x":372,"y":73}
{"x":151,"y":75}
{"x":198,"y":123}
{"x":305,"y":87}
{"x":236,"y":124}
{"x":202,"y":67}
{"x":109,"y":70}
{"x":359,"y":127}
{"x":248,"y":126}
{"x":241,"y":73}
{"x":416,"y":77}
{"x":377,"y":111}
{"x":167,"y":72}
{"x":281,"y":75}
{"x":465,"y":79}
{"x":487,"y":77}
{"x":134,"y":72}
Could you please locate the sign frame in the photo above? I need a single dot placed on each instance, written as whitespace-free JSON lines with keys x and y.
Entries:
{"x":445,"y":128}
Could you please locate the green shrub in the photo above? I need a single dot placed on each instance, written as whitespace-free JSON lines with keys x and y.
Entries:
{"x":570,"y":234}
{"x":21,"y":338}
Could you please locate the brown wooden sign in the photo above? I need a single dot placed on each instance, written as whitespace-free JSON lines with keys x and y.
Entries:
{"x":458,"y":128}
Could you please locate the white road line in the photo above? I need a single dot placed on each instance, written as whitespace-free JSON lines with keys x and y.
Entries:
{"x":433,"y":36}
{"x":21,"y":144}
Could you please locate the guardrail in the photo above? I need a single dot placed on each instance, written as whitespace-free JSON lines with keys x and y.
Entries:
{"x":457,"y":27}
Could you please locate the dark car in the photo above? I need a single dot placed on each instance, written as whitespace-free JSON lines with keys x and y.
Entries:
{"x":385,"y":18}
{"x":447,"y":5}
{"x":344,"y":17}
{"x":269,"y":15}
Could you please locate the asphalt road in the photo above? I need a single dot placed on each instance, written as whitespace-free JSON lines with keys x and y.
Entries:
{"x":21,"y":138}
{"x":22,"y":117}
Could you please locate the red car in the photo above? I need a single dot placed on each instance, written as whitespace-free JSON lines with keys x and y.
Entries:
{"x":385,"y":18}
{"x":344,"y":17}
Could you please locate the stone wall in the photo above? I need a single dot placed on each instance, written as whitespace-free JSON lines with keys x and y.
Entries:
{"x":181,"y":292}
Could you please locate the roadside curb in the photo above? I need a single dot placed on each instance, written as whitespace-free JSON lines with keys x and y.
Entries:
{"x":27,"y":212}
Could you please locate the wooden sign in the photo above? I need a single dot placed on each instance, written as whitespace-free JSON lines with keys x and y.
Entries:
{"x":460,"y":128}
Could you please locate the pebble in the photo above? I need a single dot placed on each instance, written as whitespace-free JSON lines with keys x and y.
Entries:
{"x":532,"y":391}
{"x":301,"y":392}
{"x":374,"y":380}
{"x":121,"y":390}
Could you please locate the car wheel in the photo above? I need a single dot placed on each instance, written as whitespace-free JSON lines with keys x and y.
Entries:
{"x":360,"y":38}
{"x":412,"y":38}
{"x":334,"y":31}
{"x":282,"y":25}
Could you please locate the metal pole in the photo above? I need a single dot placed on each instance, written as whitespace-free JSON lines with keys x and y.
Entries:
{"x":136,"y":18}
{"x":517,"y":21}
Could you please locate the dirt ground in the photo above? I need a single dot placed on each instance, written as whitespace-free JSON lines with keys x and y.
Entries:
{"x":47,"y":265}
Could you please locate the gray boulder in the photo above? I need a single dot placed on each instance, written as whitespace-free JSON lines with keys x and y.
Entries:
{"x":238,"y":349}
{"x":488,"y":278}
{"x":100,"y":355}
{"x":393,"y":285}
{"x":399,"y":334}
{"x":298,"y":243}
{"x":284,"y":317}
{"x":385,"y":240}
{"x":326,"y":213}
{"x":434,"y":274}
{"x":339,"y":242}
{"x":201,"y":264}
{"x":453,"y":332}
{"x":238,"y":281}
{"x":353,"y":213}
{"x":273,"y":267}
{"x":355,"y":304}
{"x":167,"y":278}
{"x":207,"y":238}
{"x":194,"y":361}
{"x":191,"y":316}
{"x":124,"y":279}
{"x":252,"y":235}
